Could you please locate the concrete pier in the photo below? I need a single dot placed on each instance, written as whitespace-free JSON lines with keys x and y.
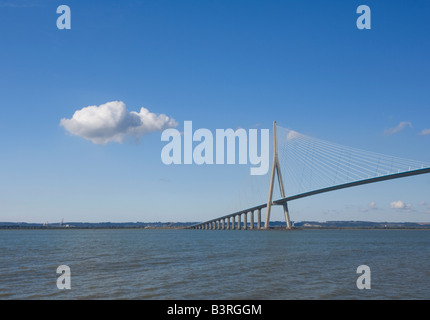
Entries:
{"x":258,"y":218}
{"x":234,"y":221}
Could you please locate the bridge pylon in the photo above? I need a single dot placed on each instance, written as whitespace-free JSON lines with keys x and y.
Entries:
{"x":276,"y":169}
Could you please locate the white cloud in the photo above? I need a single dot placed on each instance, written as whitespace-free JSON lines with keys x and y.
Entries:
{"x":425,"y":132}
{"x":401,"y":126}
{"x":400,"y":205}
{"x":112,"y":122}
{"x":426,"y":205}
{"x":371,"y":206}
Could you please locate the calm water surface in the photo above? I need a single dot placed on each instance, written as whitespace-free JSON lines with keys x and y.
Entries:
{"x":214,"y":264}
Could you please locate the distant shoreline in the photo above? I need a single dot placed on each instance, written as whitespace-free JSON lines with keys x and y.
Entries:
{"x":272,"y":229}
{"x":275,"y":225}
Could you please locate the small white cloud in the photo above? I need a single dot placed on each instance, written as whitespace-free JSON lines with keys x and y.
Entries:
{"x":425,"y":132}
{"x":400,"y":205}
{"x":112,"y":122}
{"x":371,"y":206}
{"x":425,"y":205}
{"x":401,"y":126}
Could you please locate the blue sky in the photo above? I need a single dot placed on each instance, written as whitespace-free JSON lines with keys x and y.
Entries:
{"x":220,"y":64}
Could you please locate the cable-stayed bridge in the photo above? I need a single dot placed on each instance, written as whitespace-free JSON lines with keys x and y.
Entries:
{"x":313,"y":166}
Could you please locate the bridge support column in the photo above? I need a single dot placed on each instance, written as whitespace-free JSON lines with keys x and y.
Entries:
{"x":245,"y":221}
{"x":258,"y":218}
{"x":223,"y":224}
{"x":287,"y":215}
{"x":276,"y":168}
{"x":233,"y":222}
{"x":239,"y":222}
{"x":251,"y":220}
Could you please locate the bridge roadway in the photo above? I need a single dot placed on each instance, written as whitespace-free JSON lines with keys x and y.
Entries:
{"x":228,"y":222}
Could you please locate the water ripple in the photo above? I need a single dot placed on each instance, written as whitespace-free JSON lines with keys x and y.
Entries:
{"x":194,"y":264}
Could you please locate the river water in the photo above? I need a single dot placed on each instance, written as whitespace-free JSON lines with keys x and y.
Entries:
{"x":215,"y":264}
